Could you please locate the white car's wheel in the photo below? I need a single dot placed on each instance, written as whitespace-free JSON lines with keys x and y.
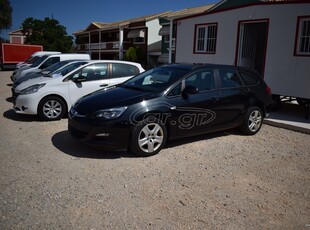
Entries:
{"x":52,"y":108}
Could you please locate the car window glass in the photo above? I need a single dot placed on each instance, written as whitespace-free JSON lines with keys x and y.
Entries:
{"x":68,"y":68}
{"x":202,"y":80}
{"x":39,"y":61}
{"x":249,"y":78}
{"x":94,"y":72}
{"x":176,"y":90}
{"x":49,"y":62}
{"x":55,"y":66}
{"x":155,"y":79}
{"x":123,"y":70}
{"x":229,"y":78}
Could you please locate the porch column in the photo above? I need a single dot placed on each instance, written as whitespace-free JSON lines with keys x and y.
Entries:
{"x":170,"y":41}
{"x":99,"y":44}
{"x":89,"y":45}
{"x":121,"y":41}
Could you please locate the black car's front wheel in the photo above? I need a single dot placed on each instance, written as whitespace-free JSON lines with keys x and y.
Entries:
{"x":51,"y":108}
{"x":253,"y":121}
{"x":148,"y":138}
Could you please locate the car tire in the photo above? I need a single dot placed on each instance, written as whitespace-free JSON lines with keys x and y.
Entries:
{"x":52,"y":108}
{"x":148,"y":138}
{"x":253,"y":121}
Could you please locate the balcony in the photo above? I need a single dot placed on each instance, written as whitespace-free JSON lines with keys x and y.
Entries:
{"x":102,"y":46}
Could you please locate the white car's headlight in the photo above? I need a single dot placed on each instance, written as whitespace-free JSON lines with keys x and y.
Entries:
{"x":110,"y":113}
{"x":32,"y":89}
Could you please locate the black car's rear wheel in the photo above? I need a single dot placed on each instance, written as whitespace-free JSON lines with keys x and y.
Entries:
{"x":148,"y":138}
{"x":51,"y":108}
{"x":253,"y":121}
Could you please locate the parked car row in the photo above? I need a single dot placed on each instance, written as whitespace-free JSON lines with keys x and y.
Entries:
{"x":45,"y":61}
{"x":116,"y":105}
{"x":51,"y":96}
{"x":30,"y":60}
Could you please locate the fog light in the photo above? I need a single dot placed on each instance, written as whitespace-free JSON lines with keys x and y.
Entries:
{"x":103,"y":134}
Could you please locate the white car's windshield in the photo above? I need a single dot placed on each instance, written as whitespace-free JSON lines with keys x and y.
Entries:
{"x":68,"y":68}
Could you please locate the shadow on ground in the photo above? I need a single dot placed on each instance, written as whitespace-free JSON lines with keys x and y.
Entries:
{"x":10,"y":114}
{"x":73,"y":147}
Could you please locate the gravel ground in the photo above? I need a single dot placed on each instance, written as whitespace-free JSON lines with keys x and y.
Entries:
{"x":217,"y":181}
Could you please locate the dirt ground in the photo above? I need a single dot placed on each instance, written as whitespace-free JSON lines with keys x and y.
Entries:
{"x":217,"y":181}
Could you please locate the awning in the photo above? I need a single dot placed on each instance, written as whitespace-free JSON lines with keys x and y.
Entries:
{"x":135,"y":34}
{"x":164,"y":31}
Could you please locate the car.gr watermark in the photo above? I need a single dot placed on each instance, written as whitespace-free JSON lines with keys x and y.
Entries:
{"x":182,"y":117}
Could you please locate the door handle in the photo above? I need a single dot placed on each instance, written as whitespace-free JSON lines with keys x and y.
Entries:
{"x":104,"y":85}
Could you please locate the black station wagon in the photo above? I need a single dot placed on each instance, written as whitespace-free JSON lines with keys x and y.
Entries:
{"x":168,"y":102}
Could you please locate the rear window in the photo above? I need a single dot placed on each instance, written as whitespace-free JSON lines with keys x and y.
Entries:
{"x":229,"y":78}
{"x":123,"y":70}
{"x":249,"y":78}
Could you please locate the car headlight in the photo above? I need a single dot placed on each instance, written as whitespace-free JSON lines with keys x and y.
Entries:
{"x":110,"y":113}
{"x":32,"y":89}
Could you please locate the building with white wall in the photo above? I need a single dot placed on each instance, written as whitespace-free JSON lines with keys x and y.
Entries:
{"x":272,"y":37}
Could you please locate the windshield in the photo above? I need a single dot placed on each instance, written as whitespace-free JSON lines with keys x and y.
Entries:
{"x":156,"y":79}
{"x":39,"y":61}
{"x":55,"y":66}
{"x":68,"y":68}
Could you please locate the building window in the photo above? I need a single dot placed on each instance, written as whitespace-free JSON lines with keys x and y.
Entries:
{"x":138,"y":40}
{"x":302,"y":47}
{"x":205,"y":38}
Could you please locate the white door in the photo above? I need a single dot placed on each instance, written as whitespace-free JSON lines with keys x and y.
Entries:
{"x":91,"y":78}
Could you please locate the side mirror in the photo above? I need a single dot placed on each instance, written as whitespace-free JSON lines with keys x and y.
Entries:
{"x":78,"y":78}
{"x":189,"y":90}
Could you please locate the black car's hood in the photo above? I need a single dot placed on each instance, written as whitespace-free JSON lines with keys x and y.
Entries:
{"x":111,"y":98}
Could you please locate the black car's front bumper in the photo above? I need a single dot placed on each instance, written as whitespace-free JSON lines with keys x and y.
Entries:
{"x":110,"y":135}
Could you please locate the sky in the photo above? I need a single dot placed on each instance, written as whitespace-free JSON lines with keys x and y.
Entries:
{"x":78,"y":14}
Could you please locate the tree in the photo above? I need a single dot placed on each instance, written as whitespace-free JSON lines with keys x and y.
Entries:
{"x":135,"y":54}
{"x":131,"y":54}
{"x":5,"y":15}
{"x":48,"y":33}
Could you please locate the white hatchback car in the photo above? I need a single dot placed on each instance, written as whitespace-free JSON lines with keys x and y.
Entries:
{"x":52,"y":97}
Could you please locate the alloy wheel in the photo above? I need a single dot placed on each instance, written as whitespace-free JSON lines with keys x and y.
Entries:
{"x":151,"y":137}
{"x":255,"y":121}
{"x":52,"y":109}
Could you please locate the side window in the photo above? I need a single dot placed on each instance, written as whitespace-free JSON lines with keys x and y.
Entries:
{"x":249,"y":78}
{"x":229,"y":78}
{"x":69,"y":68}
{"x":176,"y":90}
{"x":123,"y":70}
{"x":202,"y":80}
{"x":94,"y":72}
{"x":50,"y":61}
